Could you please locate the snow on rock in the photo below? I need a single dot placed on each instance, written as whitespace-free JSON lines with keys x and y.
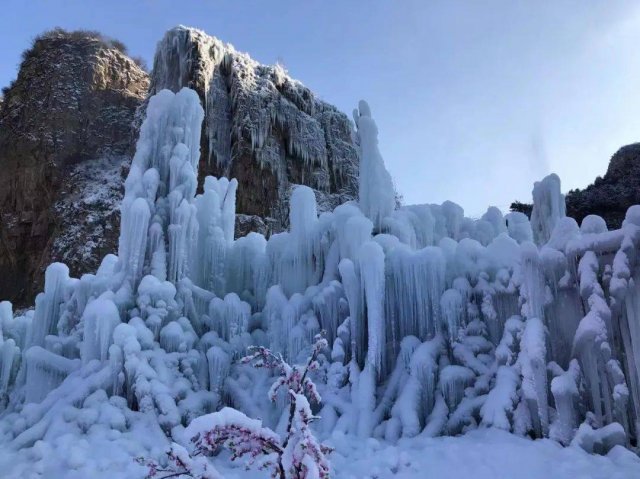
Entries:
{"x":599,"y":441}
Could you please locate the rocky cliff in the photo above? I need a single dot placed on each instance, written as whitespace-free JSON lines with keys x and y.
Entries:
{"x":65,"y":130}
{"x":69,"y":121}
{"x":261,"y":127}
{"x":610,"y":196}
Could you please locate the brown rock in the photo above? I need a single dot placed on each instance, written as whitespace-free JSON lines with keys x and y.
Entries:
{"x":71,"y":105}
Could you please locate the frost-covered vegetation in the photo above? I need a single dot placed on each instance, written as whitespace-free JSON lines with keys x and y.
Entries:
{"x":436,"y":324}
{"x":298,"y":455}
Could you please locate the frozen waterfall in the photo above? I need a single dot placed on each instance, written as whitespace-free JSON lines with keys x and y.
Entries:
{"x":436,"y":323}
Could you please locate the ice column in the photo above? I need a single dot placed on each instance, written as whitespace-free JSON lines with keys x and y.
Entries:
{"x":160,"y":189}
{"x":371,"y":260}
{"x":548,"y":208}
{"x":100,"y":320}
{"x":376,"y":194}
{"x":47,"y":312}
{"x":533,"y":354}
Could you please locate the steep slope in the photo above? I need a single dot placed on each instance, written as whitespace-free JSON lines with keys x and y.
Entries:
{"x":65,"y":130}
{"x":261,"y":127}
{"x":611,"y":195}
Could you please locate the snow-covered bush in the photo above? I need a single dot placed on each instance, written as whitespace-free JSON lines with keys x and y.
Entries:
{"x":297,"y":456}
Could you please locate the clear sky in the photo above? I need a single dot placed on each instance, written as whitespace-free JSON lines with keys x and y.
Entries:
{"x":474,"y":100}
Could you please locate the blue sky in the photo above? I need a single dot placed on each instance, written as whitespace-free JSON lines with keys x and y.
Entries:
{"x":474,"y":100}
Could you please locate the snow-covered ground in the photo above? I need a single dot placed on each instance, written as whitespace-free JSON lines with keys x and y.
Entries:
{"x":480,"y":454}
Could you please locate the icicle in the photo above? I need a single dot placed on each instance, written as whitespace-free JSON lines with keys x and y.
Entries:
{"x":356,"y":309}
{"x":172,"y":338}
{"x":157,"y":250}
{"x":9,"y":363}
{"x":507,"y":352}
{"x":453,"y":308}
{"x":48,"y":303}
{"x":453,"y":381}
{"x":273,"y":311}
{"x":295,"y":255}
{"x":533,"y":289}
{"x":219,"y":364}
{"x":371,"y":266}
{"x":519,"y":227}
{"x":591,"y":345}
{"x":534,"y":374}
{"x":494,"y":217}
{"x":230,"y":317}
{"x":366,"y":400}
{"x":417,"y":398}
{"x":416,"y":283}
{"x":326,"y":305}
{"x":100,"y":319}
{"x":135,"y":223}
{"x":164,"y":166}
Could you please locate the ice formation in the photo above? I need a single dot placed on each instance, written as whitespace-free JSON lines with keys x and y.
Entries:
{"x":261,"y":126}
{"x":548,"y":208}
{"x":376,"y":196}
{"x":436,"y":323}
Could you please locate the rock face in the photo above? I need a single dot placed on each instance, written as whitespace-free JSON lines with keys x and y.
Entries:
{"x":65,"y":133}
{"x":611,"y":195}
{"x":68,"y":124}
{"x":261,"y":127}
